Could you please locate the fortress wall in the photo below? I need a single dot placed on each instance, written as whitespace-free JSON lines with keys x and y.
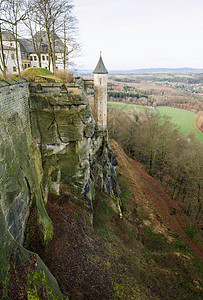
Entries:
{"x":14,"y":99}
{"x":20,"y":160}
{"x":20,"y":187}
{"x":14,"y":195}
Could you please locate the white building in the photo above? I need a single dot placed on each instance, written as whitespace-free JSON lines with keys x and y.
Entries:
{"x":9,"y":48}
{"x":26,"y":54}
{"x":34,"y":61}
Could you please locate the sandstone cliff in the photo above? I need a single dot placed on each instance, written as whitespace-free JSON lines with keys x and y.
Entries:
{"x":48,"y":144}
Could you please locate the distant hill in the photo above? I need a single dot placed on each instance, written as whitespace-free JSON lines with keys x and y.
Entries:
{"x":147,"y":70}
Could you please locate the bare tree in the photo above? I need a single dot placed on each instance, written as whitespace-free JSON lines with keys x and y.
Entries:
{"x":2,"y":57}
{"x":71,"y":47}
{"x":12,"y":13}
{"x":33,"y":24}
{"x":57,"y":21}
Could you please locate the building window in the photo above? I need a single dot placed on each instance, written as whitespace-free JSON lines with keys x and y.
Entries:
{"x":35,"y":57}
{"x":25,"y":66}
{"x":100,"y":80}
{"x":12,"y":56}
{"x":11,"y":44}
{"x":47,"y":57}
{"x":27,"y":56}
{"x":31,"y":58}
{"x":4,"y":56}
{"x":56,"y":57}
{"x":14,"y":69}
{"x":43,"y":57}
{"x":28,"y":65}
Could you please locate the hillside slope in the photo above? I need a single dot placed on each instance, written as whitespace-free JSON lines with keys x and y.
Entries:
{"x":155,"y":197}
{"x":143,"y":255}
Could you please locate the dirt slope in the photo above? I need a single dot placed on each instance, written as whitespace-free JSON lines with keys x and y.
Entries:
{"x":136,"y":257}
{"x":154,"y":195}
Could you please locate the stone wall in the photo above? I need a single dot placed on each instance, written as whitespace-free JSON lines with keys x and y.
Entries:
{"x":21,"y":176}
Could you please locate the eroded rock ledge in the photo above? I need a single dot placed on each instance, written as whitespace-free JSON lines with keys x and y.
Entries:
{"x":48,"y":144}
{"x":76,"y":158}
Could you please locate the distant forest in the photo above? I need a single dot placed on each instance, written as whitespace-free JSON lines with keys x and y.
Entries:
{"x":166,"y":154}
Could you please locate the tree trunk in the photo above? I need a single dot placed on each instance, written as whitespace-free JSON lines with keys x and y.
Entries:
{"x":16,"y":50}
{"x":49,"y":48}
{"x":3,"y":69}
{"x":39,"y":59}
{"x":178,"y":193}
{"x":64,"y":46}
{"x":151,"y":162}
{"x":174,"y":187}
{"x":54,"y":51}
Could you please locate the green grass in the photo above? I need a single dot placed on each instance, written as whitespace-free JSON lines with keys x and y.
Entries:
{"x":127,"y":107}
{"x":184,"y":119}
{"x":184,"y":75}
{"x":32,"y":73}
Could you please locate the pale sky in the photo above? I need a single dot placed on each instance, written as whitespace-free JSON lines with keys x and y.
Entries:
{"x":140,"y":33}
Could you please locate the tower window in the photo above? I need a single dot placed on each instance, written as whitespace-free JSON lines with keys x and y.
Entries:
{"x":100,"y":80}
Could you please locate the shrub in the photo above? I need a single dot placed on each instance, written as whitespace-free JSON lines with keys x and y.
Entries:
{"x":65,"y":75}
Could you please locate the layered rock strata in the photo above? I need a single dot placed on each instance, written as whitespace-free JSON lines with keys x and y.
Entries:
{"x":76,"y":158}
{"x":48,"y":144}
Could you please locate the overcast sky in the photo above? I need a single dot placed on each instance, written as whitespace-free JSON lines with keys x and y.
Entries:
{"x":141,"y":33}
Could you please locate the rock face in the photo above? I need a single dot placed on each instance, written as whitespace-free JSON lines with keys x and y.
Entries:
{"x":48,"y":144}
{"x":76,"y":158}
{"x":21,"y":176}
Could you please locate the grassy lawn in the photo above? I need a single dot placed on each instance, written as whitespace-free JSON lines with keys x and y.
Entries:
{"x":40,"y":73}
{"x":127,"y":107}
{"x":184,"y":119}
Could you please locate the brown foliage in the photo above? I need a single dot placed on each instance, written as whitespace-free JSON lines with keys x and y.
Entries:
{"x":65,"y":75}
{"x":199,"y":121}
{"x":166,"y":154}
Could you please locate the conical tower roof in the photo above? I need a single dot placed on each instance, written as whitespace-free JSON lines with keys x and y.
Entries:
{"x":100,"y":68}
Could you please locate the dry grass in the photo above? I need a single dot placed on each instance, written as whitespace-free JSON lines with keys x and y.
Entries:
{"x":9,"y":76}
{"x":65,"y":75}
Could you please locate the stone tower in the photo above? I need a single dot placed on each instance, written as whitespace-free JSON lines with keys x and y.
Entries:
{"x":100,"y":95}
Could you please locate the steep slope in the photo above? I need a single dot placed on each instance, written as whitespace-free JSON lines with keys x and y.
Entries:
{"x":143,"y":255}
{"x":155,"y":197}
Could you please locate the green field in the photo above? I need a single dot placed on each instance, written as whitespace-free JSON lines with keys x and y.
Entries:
{"x":185,"y":120}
